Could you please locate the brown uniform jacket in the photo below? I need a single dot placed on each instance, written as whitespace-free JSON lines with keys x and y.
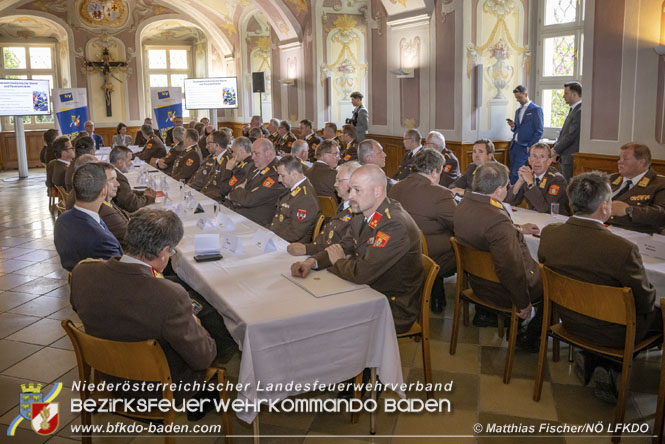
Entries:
{"x":350,"y":152}
{"x":140,"y":140}
{"x":274,"y":137}
{"x":322,"y":178}
{"x":433,"y":208}
{"x":126,"y":302}
{"x":228,"y":179}
{"x":284,"y":143}
{"x":296,"y":214}
{"x":128,"y":199}
{"x":386,"y":255}
{"x":585,"y":250}
{"x":205,"y":171}
{"x":154,"y":148}
{"x":187,"y":164}
{"x":115,"y":219}
{"x":211,"y":188}
{"x":258,"y":199}
{"x":46,"y":155}
{"x":170,"y":159}
{"x":647,"y":198}
{"x":332,"y":232}
{"x":552,"y":189}
{"x":55,"y":173}
{"x":406,"y":165}
{"x":313,"y":140}
{"x":465,"y":180}
{"x":484,"y":224}
{"x":69,"y":177}
{"x":450,"y":172}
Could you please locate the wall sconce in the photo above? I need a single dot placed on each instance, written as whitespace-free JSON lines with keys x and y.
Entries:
{"x":660,"y":50}
{"x":287,"y":82}
{"x":402,"y":73}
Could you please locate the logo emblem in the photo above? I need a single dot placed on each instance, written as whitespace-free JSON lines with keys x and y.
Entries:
{"x":269,"y":182}
{"x":447,"y":168}
{"x":554,"y":190}
{"x":40,"y":410}
{"x":76,"y":121}
{"x":189,"y":162}
{"x":301,"y":215}
{"x":381,"y":239}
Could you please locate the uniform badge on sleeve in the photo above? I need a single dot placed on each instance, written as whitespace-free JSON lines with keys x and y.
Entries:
{"x":347,"y":157}
{"x":269,"y":182}
{"x":189,"y":162}
{"x":554,"y":190}
{"x":447,"y":168}
{"x":233,"y":181}
{"x":301,"y":215}
{"x":381,"y":239}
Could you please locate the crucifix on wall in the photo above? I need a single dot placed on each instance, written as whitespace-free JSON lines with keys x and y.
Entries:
{"x":105,"y":66}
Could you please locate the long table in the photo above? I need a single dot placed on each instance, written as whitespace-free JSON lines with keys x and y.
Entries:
{"x":655,"y":267}
{"x":285,"y":334}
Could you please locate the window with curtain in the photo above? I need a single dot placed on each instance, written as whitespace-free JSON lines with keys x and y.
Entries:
{"x":560,"y":43}
{"x":20,"y":61}
{"x":169,"y":66}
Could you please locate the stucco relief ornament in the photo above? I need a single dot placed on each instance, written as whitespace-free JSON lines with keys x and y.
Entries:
{"x":111,"y":13}
{"x":346,"y":79}
{"x":499,"y":8}
{"x":500,"y":72}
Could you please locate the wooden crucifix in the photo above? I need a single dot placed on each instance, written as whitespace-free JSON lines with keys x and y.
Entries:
{"x":105,"y":66}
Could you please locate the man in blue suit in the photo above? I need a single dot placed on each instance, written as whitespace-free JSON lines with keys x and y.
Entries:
{"x":90,"y":129}
{"x":527,"y":130}
{"x":80,"y":233}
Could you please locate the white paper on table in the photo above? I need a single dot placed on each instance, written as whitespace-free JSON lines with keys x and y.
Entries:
{"x":233,"y":243}
{"x":205,"y":224}
{"x":135,"y":148}
{"x":225,"y":222}
{"x":653,"y":246}
{"x":508,"y":208}
{"x":322,"y":283}
{"x":263,"y":240}
{"x":206,"y":243}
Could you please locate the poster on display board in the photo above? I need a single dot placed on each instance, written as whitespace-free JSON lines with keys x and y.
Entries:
{"x":211,"y":93}
{"x":166,"y":106}
{"x":24,"y":97}
{"x":71,"y":110}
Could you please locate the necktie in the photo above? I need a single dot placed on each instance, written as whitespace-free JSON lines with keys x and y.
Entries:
{"x":537,"y":182}
{"x":626,"y":187}
{"x":101,"y":222}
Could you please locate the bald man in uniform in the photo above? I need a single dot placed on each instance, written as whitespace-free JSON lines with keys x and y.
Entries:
{"x":450,"y":171}
{"x":384,"y":247}
{"x":257,"y":196}
{"x":298,"y":211}
{"x":638,"y":192}
{"x":334,"y":230}
{"x":188,"y":163}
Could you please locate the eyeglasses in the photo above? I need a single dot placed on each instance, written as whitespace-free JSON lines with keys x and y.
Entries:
{"x":211,"y":143}
{"x":340,"y":180}
{"x":172,"y":251}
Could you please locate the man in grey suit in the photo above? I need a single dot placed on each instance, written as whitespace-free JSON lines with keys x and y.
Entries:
{"x":568,"y":141}
{"x":360,"y":117}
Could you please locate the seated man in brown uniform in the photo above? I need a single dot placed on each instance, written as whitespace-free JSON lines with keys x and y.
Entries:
{"x":298,"y":211}
{"x":236,"y":168}
{"x":154,"y":148}
{"x":382,"y":248}
{"x":57,"y":168}
{"x":127,"y":299}
{"x":349,"y":145}
{"x":166,"y":163}
{"x":257,"y":196}
{"x":212,"y":169}
{"x":308,"y":135}
{"x":482,"y":152}
{"x":335,"y":229}
{"x":450,"y":172}
{"x":188,"y":162}
{"x":482,"y":222}
{"x":583,"y":248}
{"x":540,"y":184}
{"x":286,"y":138}
{"x":126,"y":198}
{"x":82,"y":145}
{"x":432,"y":206}
{"x":322,"y":173}
{"x":638,"y":192}
{"x":115,"y":218}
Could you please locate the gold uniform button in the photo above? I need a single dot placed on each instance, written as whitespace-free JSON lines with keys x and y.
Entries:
{"x":392,"y":298}
{"x":531,"y":271}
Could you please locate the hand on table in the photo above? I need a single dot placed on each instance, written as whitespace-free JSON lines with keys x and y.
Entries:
{"x":161,"y":164}
{"x":530,"y":228}
{"x":302,"y":269}
{"x":335,"y":253}
{"x":150,"y":192}
{"x":296,"y":249}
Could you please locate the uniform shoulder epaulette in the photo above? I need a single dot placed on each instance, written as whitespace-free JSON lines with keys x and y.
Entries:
{"x":90,"y":259}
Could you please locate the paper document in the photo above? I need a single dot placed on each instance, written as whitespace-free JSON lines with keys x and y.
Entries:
{"x":322,"y":283}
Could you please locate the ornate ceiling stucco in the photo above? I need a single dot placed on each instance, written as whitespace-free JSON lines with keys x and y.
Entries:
{"x":30,"y":27}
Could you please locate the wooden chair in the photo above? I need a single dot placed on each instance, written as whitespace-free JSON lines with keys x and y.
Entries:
{"x":318,"y":226}
{"x":660,"y":403}
{"x":420,"y":329}
{"x":479,"y":264}
{"x":328,"y":206}
{"x":609,"y":304}
{"x":423,"y":243}
{"x":52,"y":193}
{"x":63,"y":194}
{"x":60,"y":207}
{"x":139,"y":361}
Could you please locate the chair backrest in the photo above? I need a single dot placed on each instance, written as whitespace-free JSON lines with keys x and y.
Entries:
{"x":317,"y":227}
{"x":139,"y":361}
{"x":64,"y":194}
{"x":431,"y":271}
{"x":609,"y":304}
{"x":328,"y":206}
{"x":475,"y":262}
{"x":423,"y":243}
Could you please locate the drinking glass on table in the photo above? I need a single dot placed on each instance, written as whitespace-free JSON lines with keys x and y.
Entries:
{"x":554,"y":209}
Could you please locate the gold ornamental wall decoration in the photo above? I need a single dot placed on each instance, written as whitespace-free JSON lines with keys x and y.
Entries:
{"x":110,"y":13}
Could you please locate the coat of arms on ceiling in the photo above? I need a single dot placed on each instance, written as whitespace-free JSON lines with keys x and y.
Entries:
{"x":111,"y":13}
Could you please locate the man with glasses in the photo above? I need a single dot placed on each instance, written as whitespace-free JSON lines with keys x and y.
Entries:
{"x":115,"y":218}
{"x":322,"y":173}
{"x":335,"y":229}
{"x":412,"y":139}
{"x":217,"y":145}
{"x":450,"y":171}
{"x":57,"y":168}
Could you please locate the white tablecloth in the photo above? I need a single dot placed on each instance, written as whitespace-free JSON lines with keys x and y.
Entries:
{"x":285,"y":334}
{"x":655,"y":267}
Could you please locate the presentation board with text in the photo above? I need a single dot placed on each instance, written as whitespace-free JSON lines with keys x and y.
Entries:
{"x":24,"y":97}
{"x":211,"y":93}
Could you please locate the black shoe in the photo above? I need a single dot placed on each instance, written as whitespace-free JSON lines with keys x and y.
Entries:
{"x":485,"y":319}
{"x":528,"y":343}
{"x":584,"y":366}
{"x":605,"y":384}
{"x":435,"y":305}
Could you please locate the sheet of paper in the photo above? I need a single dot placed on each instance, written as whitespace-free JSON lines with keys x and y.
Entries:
{"x":322,"y":283}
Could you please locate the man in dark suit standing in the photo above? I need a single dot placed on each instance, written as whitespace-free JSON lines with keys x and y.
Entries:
{"x":90,"y":129}
{"x":360,"y":118}
{"x":568,"y":141}
{"x":80,"y":233}
{"x":527,"y":130}
{"x":584,"y":249}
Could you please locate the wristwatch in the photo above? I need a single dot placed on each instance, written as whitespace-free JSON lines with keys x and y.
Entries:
{"x":629,"y":211}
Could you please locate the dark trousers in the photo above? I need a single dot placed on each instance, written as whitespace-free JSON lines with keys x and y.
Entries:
{"x":518,"y":156}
